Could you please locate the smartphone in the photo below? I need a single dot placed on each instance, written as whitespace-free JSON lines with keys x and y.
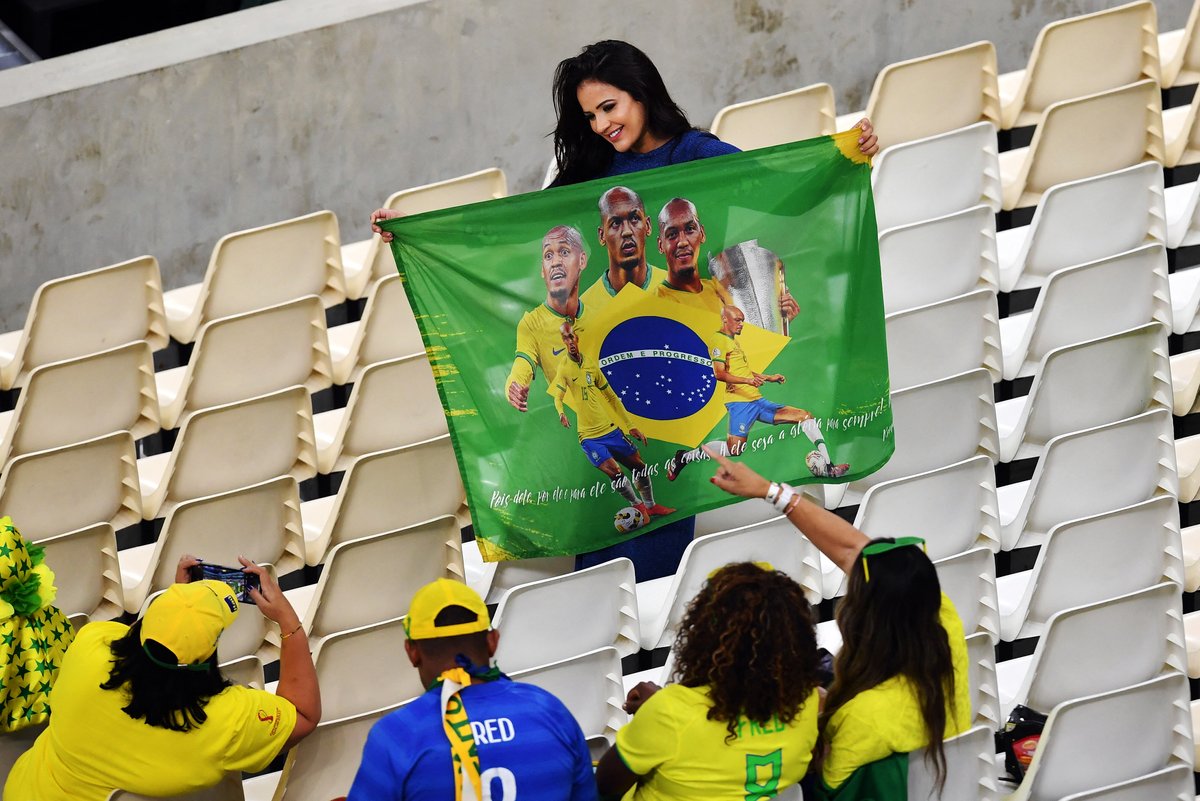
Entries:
{"x":235,"y":577}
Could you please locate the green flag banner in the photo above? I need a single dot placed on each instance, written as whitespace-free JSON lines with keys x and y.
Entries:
{"x":587,"y":340}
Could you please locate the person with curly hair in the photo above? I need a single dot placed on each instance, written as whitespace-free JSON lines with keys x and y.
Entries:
{"x":740,"y":718}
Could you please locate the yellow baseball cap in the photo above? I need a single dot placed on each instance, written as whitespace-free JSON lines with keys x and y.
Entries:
{"x":435,"y":596}
{"x":188,"y":619}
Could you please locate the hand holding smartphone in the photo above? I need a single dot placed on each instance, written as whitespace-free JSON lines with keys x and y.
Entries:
{"x":240,"y":581}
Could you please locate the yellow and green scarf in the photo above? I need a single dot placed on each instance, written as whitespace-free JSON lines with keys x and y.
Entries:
{"x":457,"y":726}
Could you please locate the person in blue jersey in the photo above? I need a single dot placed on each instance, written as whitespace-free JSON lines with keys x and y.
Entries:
{"x":474,"y":734}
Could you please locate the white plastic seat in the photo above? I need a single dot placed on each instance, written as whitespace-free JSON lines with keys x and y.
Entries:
{"x":663,"y":601}
{"x":1179,"y":52}
{"x":230,"y":446}
{"x":393,"y":403}
{"x":1079,"y":56}
{"x":970,"y":771}
{"x":387,"y":330}
{"x":383,"y":491}
{"x":246,"y":671}
{"x":367,"y":261}
{"x":228,"y":789}
{"x":1098,"y":647}
{"x":1087,"y":472}
{"x":1088,"y":301}
{"x":393,"y":565}
{"x":360,"y":669}
{"x":1169,"y":784}
{"x":1087,"y":560}
{"x":1182,"y":134}
{"x":1129,"y":116}
{"x":1185,"y":300}
{"x":734,"y":515}
{"x":492,"y":579}
{"x":1187,"y":456}
{"x":560,"y":617}
{"x":589,"y":685}
{"x":1086,"y":744}
{"x":936,"y":424}
{"x":1185,"y":382}
{"x":1085,"y":220}
{"x":260,"y":522}
{"x":920,"y":350}
{"x":981,"y":676}
{"x":81,"y":398}
{"x":932,"y":94}
{"x":785,"y":117}
{"x":86,"y":313}
{"x":86,"y":572}
{"x":1183,"y":214}
{"x":245,"y":355}
{"x":932,"y":260}
{"x":55,"y":491}
{"x":1087,"y":384}
{"x":936,"y":176}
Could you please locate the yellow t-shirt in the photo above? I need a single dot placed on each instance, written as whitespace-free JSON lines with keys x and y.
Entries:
{"x":712,"y":297}
{"x":886,"y":719}
{"x":598,"y":295}
{"x":728,"y":350}
{"x":539,"y":344}
{"x":92,"y":747}
{"x":684,"y":755}
{"x":593,"y":400}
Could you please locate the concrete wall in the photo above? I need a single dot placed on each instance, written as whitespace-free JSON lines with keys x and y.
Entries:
{"x":162,"y":144}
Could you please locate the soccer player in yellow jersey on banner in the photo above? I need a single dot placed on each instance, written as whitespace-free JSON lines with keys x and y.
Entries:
{"x":747,"y":405}
{"x":623,"y":229}
{"x":606,"y":445}
{"x":539,"y":341}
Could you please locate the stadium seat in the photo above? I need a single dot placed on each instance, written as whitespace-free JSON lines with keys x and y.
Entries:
{"x":1074,"y":654}
{"x":1087,"y":301}
{"x":393,"y":403}
{"x":919,"y":350}
{"x":981,"y":676}
{"x":1130,"y":118}
{"x":935,"y":424}
{"x":1092,"y":558}
{"x":556,"y":618}
{"x":775,"y":120}
{"x":262,"y":267}
{"x":589,"y":685}
{"x":229,"y":789}
{"x":1087,"y":384}
{"x":936,"y":176}
{"x":663,"y":601}
{"x":393,"y":565}
{"x":1169,"y":784}
{"x":230,"y":446}
{"x":970,"y":771}
{"x":734,"y":515}
{"x":384,"y":491}
{"x":1185,"y":300}
{"x":387,"y":330}
{"x":1080,"y":56}
{"x":1082,"y":221}
{"x":1179,"y":52}
{"x":1086,"y":743}
{"x":1182,"y":135}
{"x":260,"y":522}
{"x":492,"y":579}
{"x":932,"y":94}
{"x":367,"y":261}
{"x":246,"y":671}
{"x":932,"y":260}
{"x":360,"y":669}
{"x":1087,"y":472}
{"x":86,"y":313}
{"x":1185,"y":382}
{"x":246,"y":355}
{"x":86,"y":572}
{"x":81,"y":398}
{"x":55,"y":491}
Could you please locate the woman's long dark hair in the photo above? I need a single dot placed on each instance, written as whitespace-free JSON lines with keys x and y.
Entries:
{"x":890,"y":627}
{"x":581,"y":154}
{"x":168,"y":699}
{"x":748,"y":636}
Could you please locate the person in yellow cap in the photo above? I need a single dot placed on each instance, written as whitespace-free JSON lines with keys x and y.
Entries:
{"x":144,"y":708}
{"x":474,"y":734}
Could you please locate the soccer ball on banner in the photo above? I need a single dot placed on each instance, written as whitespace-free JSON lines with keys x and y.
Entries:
{"x":818,"y":465}
{"x":628,"y":519}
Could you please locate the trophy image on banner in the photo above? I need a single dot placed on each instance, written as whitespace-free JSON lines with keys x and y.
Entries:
{"x":753,"y":276}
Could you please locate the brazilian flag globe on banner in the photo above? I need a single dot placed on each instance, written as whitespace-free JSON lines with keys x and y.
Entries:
{"x":587,"y":340}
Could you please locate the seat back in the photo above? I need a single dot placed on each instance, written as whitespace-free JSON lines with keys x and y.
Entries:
{"x":389,"y":328}
{"x":969,"y":580}
{"x":936,"y":176}
{"x":953,"y":508}
{"x":1183,"y":68}
{"x":559,"y":617}
{"x":932,"y":260}
{"x":1173,"y":783}
{"x":981,"y":676}
{"x":322,"y":766}
{"x":90,"y":312}
{"x":362,"y":668}
{"x":734,"y":515}
{"x":785,"y":117}
{"x":589,"y":685}
{"x":936,"y":93}
{"x":919,"y":350}
{"x":970,"y":771}
{"x":86,"y":571}
{"x":246,"y":671}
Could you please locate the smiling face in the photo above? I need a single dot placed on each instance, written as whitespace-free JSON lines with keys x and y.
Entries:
{"x":571,"y":341}
{"x":679,"y":239}
{"x":615,"y":116}
{"x":563,"y":260}
{"x":623,"y":229}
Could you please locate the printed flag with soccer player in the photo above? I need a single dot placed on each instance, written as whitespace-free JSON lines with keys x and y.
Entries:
{"x":589,"y":341}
